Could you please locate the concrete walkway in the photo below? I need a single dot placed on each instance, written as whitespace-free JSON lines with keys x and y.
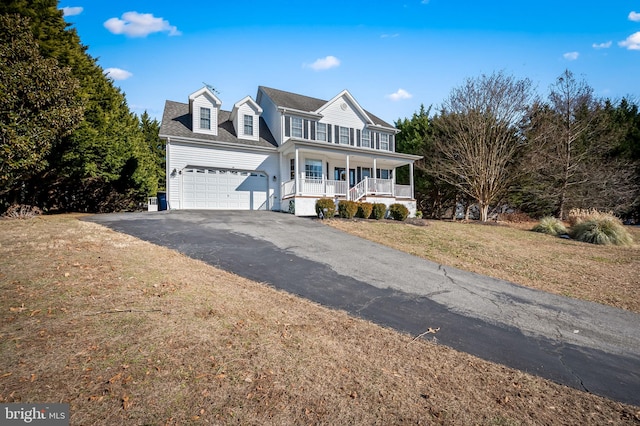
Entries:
{"x":584,"y":345}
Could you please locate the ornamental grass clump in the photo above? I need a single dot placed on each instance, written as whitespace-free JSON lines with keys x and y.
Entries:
{"x":605,"y":229}
{"x":550,"y":225}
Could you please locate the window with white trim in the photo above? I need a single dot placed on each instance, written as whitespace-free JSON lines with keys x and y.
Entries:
{"x":383,"y":173}
{"x":365,"y":140}
{"x":344,"y":135}
{"x":321,"y":132}
{"x":205,"y":118}
{"x":313,"y":169}
{"x":384,"y":141}
{"x":296,"y":127}
{"x":248,"y":125}
{"x":292,"y":167}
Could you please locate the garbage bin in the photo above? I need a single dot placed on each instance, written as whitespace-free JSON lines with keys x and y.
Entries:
{"x":162,"y":200}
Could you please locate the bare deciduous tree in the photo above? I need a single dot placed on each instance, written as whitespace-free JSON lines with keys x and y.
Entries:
{"x":478,"y":136}
{"x":571,"y":157}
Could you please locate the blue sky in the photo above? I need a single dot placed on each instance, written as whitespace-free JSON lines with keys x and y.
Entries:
{"x":392,"y":56}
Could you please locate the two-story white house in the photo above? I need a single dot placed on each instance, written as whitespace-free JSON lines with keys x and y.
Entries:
{"x":281,"y":151}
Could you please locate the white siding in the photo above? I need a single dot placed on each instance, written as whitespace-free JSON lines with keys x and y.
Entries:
{"x":181,"y":155}
{"x":246,"y":109}
{"x":336,"y":115}
{"x":272,"y":117}
{"x":203,"y":101}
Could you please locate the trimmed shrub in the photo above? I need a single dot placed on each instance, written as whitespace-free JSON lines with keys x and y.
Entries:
{"x":550,"y":225}
{"x":419,"y":214}
{"x":606,"y":229}
{"x":327,"y":207}
{"x":364,"y":210}
{"x":379,"y":210}
{"x":398,"y":211}
{"x":347,"y":209}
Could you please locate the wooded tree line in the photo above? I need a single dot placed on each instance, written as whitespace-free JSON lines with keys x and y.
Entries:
{"x":68,"y":140}
{"x":495,"y":144}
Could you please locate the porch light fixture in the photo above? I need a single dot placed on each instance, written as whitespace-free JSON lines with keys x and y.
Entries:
{"x":275,"y":178}
{"x":174,"y":172}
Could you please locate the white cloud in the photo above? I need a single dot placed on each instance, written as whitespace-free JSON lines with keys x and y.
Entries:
{"x":72,"y":10}
{"x":605,"y":45}
{"x":134,"y":24}
{"x":324,"y":63}
{"x":571,"y":56}
{"x":390,"y":35}
{"x":399,"y":95}
{"x":117,"y":73}
{"x":634,"y":16}
{"x":632,"y":42}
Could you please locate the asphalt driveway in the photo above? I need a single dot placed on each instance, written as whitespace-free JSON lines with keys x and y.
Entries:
{"x":584,"y":345}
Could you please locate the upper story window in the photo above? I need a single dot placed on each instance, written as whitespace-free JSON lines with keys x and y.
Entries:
{"x":365,"y":140}
{"x":313,"y":169}
{"x":344,"y":135}
{"x":296,"y":127}
{"x":248,"y":125}
{"x":321,"y":132}
{"x":205,"y":118}
{"x":384,"y":141}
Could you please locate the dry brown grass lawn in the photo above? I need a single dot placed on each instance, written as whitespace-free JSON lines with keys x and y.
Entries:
{"x":603,"y":274}
{"x":130,"y":333}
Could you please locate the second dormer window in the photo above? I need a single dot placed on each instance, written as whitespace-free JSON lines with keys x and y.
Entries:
{"x":248,"y":125}
{"x":205,"y":118}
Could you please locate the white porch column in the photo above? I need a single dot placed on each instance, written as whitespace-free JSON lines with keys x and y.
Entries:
{"x":375,"y":168}
{"x":411,"y":179}
{"x":296,"y":176}
{"x":348,"y":178}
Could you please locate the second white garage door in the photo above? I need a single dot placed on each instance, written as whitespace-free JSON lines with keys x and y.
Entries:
{"x":219,"y":189}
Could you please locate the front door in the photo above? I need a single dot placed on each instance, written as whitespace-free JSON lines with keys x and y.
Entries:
{"x":352,"y":178}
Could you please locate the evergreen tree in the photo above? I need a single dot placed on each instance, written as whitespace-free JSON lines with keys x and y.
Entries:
{"x":105,"y":164}
{"x":39,"y":104}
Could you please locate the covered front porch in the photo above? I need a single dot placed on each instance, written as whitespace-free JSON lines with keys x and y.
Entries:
{"x":318,"y":170}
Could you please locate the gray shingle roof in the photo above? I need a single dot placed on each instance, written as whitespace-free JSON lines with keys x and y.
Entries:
{"x":176,"y":122}
{"x":305,"y":103}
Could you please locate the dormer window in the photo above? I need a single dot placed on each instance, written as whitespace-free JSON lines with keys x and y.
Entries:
{"x":205,"y":118}
{"x":248,"y":125}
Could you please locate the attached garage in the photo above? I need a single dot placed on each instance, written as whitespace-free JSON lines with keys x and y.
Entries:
{"x":223,"y":189}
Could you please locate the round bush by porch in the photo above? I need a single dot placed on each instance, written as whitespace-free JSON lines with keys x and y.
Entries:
{"x":398,"y":211}
{"x":327,"y":207}
{"x":347,"y":209}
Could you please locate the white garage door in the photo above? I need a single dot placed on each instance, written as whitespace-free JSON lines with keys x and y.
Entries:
{"x":206,"y":188}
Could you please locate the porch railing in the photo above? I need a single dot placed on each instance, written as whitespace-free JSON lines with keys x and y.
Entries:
{"x":331,"y":188}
